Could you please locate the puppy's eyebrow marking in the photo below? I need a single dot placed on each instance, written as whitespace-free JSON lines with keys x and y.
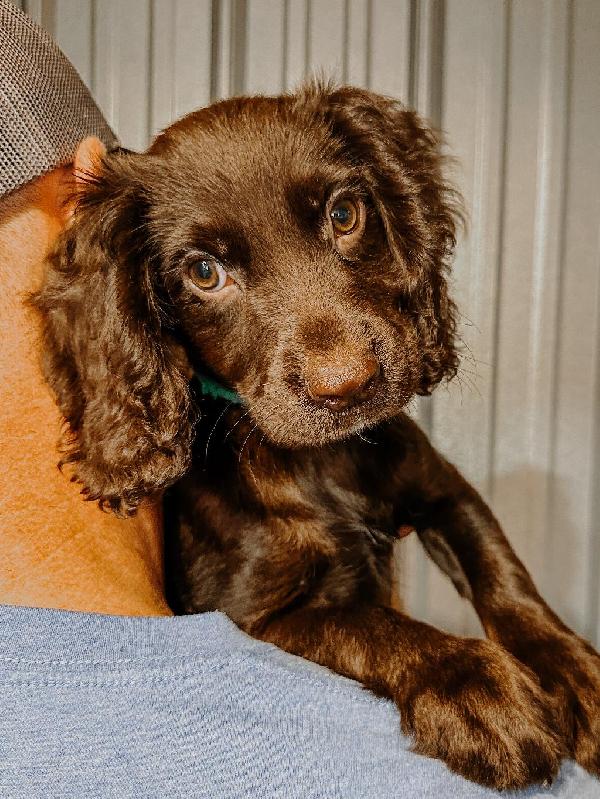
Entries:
{"x":308,"y":197}
{"x":226,"y":243}
{"x":306,"y":200}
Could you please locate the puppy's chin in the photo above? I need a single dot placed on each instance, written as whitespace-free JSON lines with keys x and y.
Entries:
{"x":303,"y":427}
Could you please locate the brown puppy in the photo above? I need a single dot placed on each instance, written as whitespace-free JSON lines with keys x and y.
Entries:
{"x":295,"y":249}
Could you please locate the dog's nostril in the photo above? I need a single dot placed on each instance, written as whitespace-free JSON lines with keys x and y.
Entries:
{"x":341,"y":384}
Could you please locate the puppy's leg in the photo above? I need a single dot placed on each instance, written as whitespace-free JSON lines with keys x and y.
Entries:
{"x":464,"y":538}
{"x":465,"y":701}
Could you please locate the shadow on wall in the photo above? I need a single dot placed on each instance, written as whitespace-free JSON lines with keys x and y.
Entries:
{"x":555,"y":539}
{"x":533,"y":508}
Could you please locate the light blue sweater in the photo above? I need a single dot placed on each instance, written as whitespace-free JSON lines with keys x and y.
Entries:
{"x":109,"y":707}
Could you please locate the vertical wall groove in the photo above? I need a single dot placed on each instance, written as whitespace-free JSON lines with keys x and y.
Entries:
{"x":592,"y":629}
{"x":307,"y":41}
{"x":558,"y":315}
{"x":501,"y":232}
{"x":214,"y":50}
{"x":150,"y":64}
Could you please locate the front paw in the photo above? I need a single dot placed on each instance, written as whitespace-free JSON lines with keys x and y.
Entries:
{"x":569,"y":668}
{"x":478,"y":709}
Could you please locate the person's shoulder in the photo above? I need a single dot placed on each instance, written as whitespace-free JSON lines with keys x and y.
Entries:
{"x":111,"y":706}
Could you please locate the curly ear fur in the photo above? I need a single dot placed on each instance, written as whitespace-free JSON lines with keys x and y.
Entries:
{"x":106,"y":356}
{"x":401,"y":157}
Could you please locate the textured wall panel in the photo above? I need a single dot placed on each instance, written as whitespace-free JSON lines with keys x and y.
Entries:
{"x":516,"y":87}
{"x":574,"y":540}
{"x":180,"y":59}
{"x":471,"y":101}
{"x":531,"y":264}
{"x":122,"y":67}
{"x":326,"y":45}
{"x":265,"y":48}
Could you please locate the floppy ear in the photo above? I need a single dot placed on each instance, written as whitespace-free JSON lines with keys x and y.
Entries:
{"x":402,"y":159}
{"x":106,"y":355}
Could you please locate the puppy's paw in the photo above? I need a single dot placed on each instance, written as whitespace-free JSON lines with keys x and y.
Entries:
{"x":569,"y":668}
{"x":479,"y":710}
{"x":585,"y":704}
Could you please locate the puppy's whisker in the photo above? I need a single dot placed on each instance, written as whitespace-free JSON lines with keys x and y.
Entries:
{"x":230,"y":431}
{"x":260,"y":443}
{"x":465,"y":375}
{"x":256,"y":483}
{"x":366,"y":440}
{"x":244,"y":445}
{"x":472,"y":372}
{"x":467,"y":321}
{"x":470,"y":356}
{"x":212,"y":430}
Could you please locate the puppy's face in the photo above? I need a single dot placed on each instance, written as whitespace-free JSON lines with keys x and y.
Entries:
{"x":294,"y":255}
{"x":297,"y":248}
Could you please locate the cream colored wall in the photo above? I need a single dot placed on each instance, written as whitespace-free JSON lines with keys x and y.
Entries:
{"x":516,"y":85}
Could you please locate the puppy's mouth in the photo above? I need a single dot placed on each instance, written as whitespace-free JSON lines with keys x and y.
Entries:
{"x":306,"y":424}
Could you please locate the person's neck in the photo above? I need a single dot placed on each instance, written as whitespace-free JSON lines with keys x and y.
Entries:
{"x":56,"y":550}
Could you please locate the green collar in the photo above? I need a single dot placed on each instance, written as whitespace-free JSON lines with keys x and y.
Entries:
{"x":211,"y":388}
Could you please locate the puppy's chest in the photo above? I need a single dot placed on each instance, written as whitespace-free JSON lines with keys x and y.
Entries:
{"x":259,"y":528}
{"x":349,"y":485}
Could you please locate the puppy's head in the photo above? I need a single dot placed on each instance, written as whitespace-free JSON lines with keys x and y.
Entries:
{"x":295,"y":247}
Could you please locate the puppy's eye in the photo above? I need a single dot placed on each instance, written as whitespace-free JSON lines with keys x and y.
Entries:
{"x":344,"y":217}
{"x":208,"y":274}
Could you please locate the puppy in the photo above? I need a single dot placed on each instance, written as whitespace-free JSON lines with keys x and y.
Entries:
{"x":291,"y":252}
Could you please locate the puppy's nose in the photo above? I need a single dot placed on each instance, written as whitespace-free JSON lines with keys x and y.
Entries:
{"x":339,"y":385}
